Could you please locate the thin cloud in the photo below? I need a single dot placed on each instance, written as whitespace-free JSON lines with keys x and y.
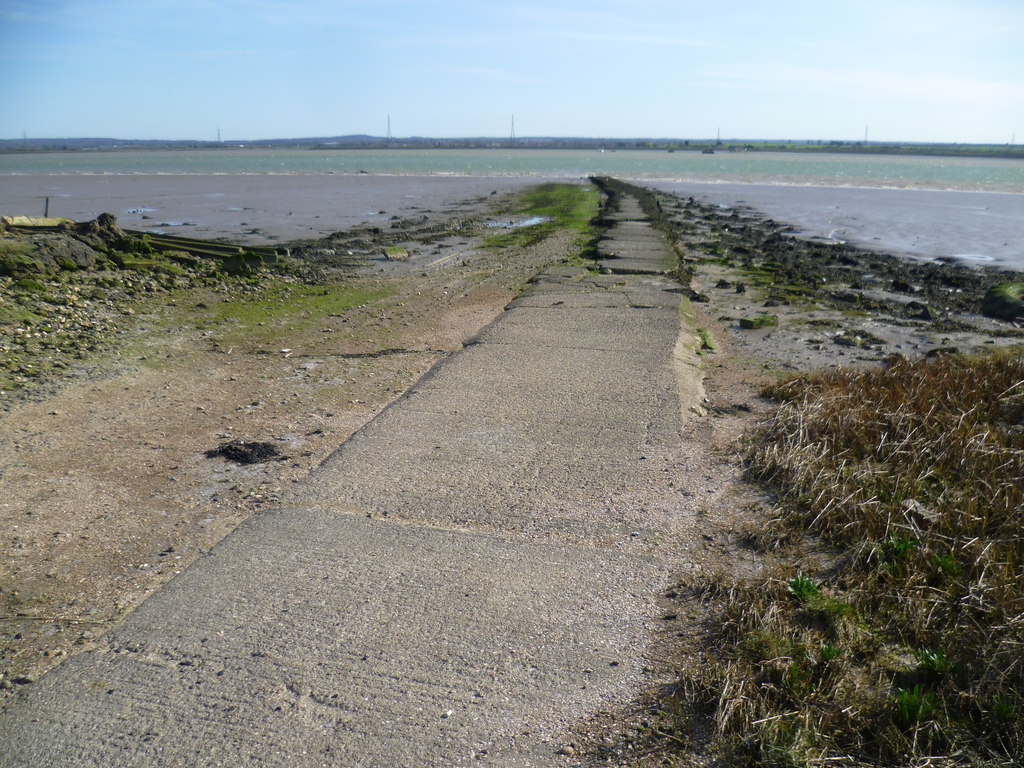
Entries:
{"x":872,"y":83}
{"x":605,"y":26}
{"x":417,"y":39}
{"x":635,"y":38}
{"x":482,"y":73}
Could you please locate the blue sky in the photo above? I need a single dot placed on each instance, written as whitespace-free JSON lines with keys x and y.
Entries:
{"x":924,"y":70}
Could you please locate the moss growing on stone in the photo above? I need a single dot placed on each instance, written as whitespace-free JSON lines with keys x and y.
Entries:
{"x":1004,"y":301}
{"x":761,"y":321}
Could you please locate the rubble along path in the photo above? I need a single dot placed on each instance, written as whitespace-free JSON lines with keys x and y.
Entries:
{"x":460,"y":583}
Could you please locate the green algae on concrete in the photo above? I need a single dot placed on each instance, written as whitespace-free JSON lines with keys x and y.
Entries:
{"x":559,"y":206}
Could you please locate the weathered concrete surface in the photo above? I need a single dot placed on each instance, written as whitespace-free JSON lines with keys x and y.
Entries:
{"x":460,"y":583}
{"x":633,"y":246}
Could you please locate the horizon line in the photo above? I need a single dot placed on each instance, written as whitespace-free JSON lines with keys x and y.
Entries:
{"x":24,"y":139}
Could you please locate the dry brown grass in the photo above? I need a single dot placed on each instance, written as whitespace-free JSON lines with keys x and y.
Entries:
{"x":908,"y":648}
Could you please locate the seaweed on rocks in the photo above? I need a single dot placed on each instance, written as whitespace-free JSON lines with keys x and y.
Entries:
{"x":790,"y":263}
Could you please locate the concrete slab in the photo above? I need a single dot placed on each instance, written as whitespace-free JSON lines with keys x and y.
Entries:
{"x":314,"y":640}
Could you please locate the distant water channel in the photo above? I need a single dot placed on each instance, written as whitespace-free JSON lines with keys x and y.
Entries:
{"x":981,"y":174}
{"x":971,"y":208}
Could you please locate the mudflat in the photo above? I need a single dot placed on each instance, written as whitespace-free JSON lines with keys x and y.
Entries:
{"x":260,"y":209}
{"x":972,"y":227}
{"x":254,"y":209}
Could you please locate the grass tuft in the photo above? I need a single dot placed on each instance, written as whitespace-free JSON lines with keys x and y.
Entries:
{"x":802,"y":588}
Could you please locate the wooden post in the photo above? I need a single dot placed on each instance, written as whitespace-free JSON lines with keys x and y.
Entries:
{"x":46,"y":213}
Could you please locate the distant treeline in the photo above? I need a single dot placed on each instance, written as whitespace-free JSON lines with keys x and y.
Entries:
{"x":664,"y":145}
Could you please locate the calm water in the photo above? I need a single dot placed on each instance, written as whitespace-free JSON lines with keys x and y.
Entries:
{"x":923,"y":207}
{"x":741,"y":167}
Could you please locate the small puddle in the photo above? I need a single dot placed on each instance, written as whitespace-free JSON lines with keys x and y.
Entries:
{"x":530,"y":222}
{"x":973,"y":257}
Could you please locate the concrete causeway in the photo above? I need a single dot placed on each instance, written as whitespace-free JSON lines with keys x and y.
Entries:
{"x":461,"y":583}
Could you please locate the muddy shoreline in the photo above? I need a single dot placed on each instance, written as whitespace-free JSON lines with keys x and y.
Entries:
{"x":64,"y":316}
{"x":976,"y":228}
{"x":252,"y":209}
{"x":831,"y":303}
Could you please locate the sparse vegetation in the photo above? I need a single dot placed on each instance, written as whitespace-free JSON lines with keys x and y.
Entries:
{"x":50,"y":320}
{"x":906,"y":647}
{"x":561,"y":206}
{"x":262,"y":314}
{"x":707,"y":341}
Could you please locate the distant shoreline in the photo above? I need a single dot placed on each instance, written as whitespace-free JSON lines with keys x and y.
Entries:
{"x":995,"y":151}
